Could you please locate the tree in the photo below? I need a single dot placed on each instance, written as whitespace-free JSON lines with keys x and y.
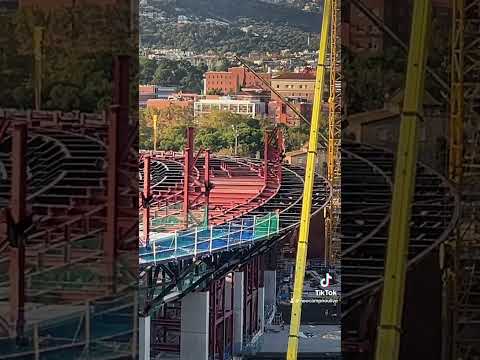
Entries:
{"x":171,"y":126}
{"x":147,"y":70}
{"x":217,"y":131}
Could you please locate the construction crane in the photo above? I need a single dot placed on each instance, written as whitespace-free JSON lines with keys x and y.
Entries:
{"x":463,"y":255}
{"x":301,"y":258}
{"x":334,"y":134}
{"x":389,"y":329}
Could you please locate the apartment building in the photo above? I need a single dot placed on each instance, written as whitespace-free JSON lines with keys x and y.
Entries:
{"x":248,"y":107}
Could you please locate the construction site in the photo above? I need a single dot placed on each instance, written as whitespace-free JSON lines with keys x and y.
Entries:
{"x":220,"y":234}
{"x":206,"y":256}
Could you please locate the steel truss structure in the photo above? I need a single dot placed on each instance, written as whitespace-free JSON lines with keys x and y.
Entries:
{"x":334,"y":132}
{"x":366,"y":199}
{"x":463,"y":262}
{"x":166,"y":282}
{"x":66,"y":262}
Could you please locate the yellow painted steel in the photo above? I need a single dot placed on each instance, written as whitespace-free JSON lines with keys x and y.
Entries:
{"x":155,"y":121}
{"x":334,"y":136}
{"x":308,"y":189}
{"x":389,"y":330}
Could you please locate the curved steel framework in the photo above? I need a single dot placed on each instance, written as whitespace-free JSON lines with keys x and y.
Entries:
{"x":59,"y":280}
{"x":174,"y":278}
{"x":366,"y":199}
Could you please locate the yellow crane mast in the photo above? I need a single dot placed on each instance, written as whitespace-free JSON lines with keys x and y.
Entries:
{"x":389,"y":329}
{"x":301,"y":258}
{"x":332,"y":247}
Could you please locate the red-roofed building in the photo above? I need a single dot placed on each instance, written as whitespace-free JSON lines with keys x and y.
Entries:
{"x":162,"y":104}
{"x":232,"y":81}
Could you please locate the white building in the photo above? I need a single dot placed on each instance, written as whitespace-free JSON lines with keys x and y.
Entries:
{"x":248,"y":107}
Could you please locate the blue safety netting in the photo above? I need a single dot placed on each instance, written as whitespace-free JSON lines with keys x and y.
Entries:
{"x":201,"y":240}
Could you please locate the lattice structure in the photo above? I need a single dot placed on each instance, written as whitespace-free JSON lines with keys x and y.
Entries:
{"x":464,"y":161}
{"x":334,"y":131}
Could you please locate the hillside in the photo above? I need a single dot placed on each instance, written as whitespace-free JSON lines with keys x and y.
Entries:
{"x":255,"y":10}
{"x":226,"y":25}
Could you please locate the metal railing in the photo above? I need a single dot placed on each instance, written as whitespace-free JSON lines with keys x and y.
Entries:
{"x":203,"y":240}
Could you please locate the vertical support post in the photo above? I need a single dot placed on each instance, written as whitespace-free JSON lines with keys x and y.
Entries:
{"x":266,"y":154}
{"x":281,"y":149}
{"x":207,"y":185}
{"x":154,"y":247}
{"x":155,"y":130}
{"x":146,"y":194}
{"x":110,"y":240}
{"x":36,"y":341}
{"x":238,"y":311}
{"x":211,"y":237}
{"x":389,"y":329}
{"x":190,"y":144}
{"x":38,"y":54}
{"x":117,"y":154}
{"x":213,"y":341}
{"x":269,"y":224}
{"x":270,"y":287}
{"x":195,"y":326}
{"x":186,"y":186}
{"x":17,"y":218}
{"x":144,"y":334}
{"x":121,"y":97}
{"x":87,"y":327}
{"x":176,"y":241}
{"x":195,"y":249}
{"x":241,"y":230}
{"x":135,"y":326}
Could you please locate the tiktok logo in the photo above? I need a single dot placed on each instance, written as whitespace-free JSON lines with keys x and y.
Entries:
{"x":326,"y":281}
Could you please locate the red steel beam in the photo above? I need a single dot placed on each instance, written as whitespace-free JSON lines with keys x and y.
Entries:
{"x":146,"y":195}
{"x":18,"y":216}
{"x":188,"y":162}
{"x":121,"y":98}
{"x":190,"y":144}
{"x":207,"y":184}
{"x":110,"y":240}
{"x":186,"y":185}
{"x":266,"y":155}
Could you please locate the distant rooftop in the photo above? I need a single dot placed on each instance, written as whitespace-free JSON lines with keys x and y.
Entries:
{"x":295,"y":76}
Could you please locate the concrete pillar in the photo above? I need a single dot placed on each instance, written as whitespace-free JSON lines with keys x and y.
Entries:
{"x":261,"y":308}
{"x":238,"y":304}
{"x":144,"y":338}
{"x":270,"y":282}
{"x":194,"y":326}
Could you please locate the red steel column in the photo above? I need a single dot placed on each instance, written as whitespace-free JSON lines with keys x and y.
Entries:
{"x":17,"y":244}
{"x":190,"y":143}
{"x":110,"y":240}
{"x":121,"y":97}
{"x":207,"y":184}
{"x":265,"y":156}
{"x":281,"y":149}
{"x":188,"y":162}
{"x":146,"y":195}
{"x":186,"y":185}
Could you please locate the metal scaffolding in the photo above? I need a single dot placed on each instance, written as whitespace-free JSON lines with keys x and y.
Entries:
{"x":463,"y":275}
{"x":334,"y":135}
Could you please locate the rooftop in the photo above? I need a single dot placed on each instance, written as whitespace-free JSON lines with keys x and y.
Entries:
{"x":294,"y":76}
